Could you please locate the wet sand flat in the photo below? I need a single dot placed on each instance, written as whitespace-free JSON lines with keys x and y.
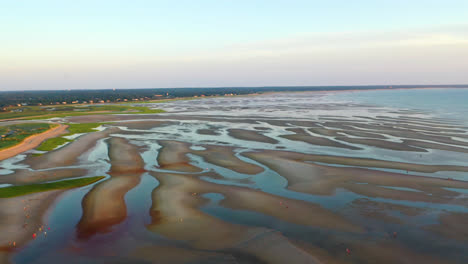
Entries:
{"x":252,"y":200}
{"x":167,"y":254}
{"x":175,"y":215}
{"x":358,"y":133}
{"x":301,"y":135}
{"x":69,"y":154}
{"x":381,"y":144}
{"x":337,"y":133}
{"x":20,"y":218}
{"x":173,"y":156}
{"x":368,"y":252}
{"x":210,"y":132}
{"x":224,"y":157}
{"x":324,"y":180}
{"x":452,"y":225}
{"x":250,"y":135}
{"x":374,"y":210}
{"x":104,"y":206}
{"x":186,"y":186}
{"x":430,"y":145}
{"x":350,"y":161}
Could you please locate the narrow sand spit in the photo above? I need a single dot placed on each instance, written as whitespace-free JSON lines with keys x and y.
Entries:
{"x":172,"y":156}
{"x":211,"y":132}
{"x":251,"y":135}
{"x":224,"y":156}
{"x":385,"y":127}
{"x":418,"y":135}
{"x":430,"y":145}
{"x":324,"y":180}
{"x":384,"y":144}
{"x":362,"y":162}
{"x":358,"y":133}
{"x":290,"y":122}
{"x":69,"y":154}
{"x":32,"y":142}
{"x":104,"y":206}
{"x":20,"y":218}
{"x":431,"y":123}
{"x":175,"y":215}
{"x":326,"y":131}
{"x":432,"y":128}
{"x":301,"y":135}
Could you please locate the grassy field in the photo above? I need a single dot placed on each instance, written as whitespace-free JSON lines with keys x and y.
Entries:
{"x":20,"y":190}
{"x":46,"y":112}
{"x":15,"y":134}
{"x":53,"y":143}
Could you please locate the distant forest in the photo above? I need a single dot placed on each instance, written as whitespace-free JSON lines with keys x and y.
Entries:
{"x":46,"y":97}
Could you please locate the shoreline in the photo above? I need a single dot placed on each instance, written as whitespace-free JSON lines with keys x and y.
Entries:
{"x":356,"y":90}
{"x":32,"y":142}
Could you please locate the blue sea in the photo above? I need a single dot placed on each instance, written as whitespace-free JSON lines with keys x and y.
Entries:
{"x":450,"y":103}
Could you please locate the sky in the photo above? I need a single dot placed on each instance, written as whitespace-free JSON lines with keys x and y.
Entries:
{"x":105,"y":44}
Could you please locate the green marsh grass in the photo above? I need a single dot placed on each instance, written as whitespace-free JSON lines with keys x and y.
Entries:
{"x":19,"y":190}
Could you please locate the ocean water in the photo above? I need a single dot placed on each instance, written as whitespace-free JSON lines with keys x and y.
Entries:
{"x":450,"y":103}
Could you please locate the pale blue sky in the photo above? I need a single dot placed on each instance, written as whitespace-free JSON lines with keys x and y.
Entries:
{"x":123,"y":44}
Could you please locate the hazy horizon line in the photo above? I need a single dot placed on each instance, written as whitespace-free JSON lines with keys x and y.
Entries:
{"x":390,"y":86}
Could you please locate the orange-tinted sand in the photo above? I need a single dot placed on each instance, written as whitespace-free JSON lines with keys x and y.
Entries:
{"x":32,"y":142}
